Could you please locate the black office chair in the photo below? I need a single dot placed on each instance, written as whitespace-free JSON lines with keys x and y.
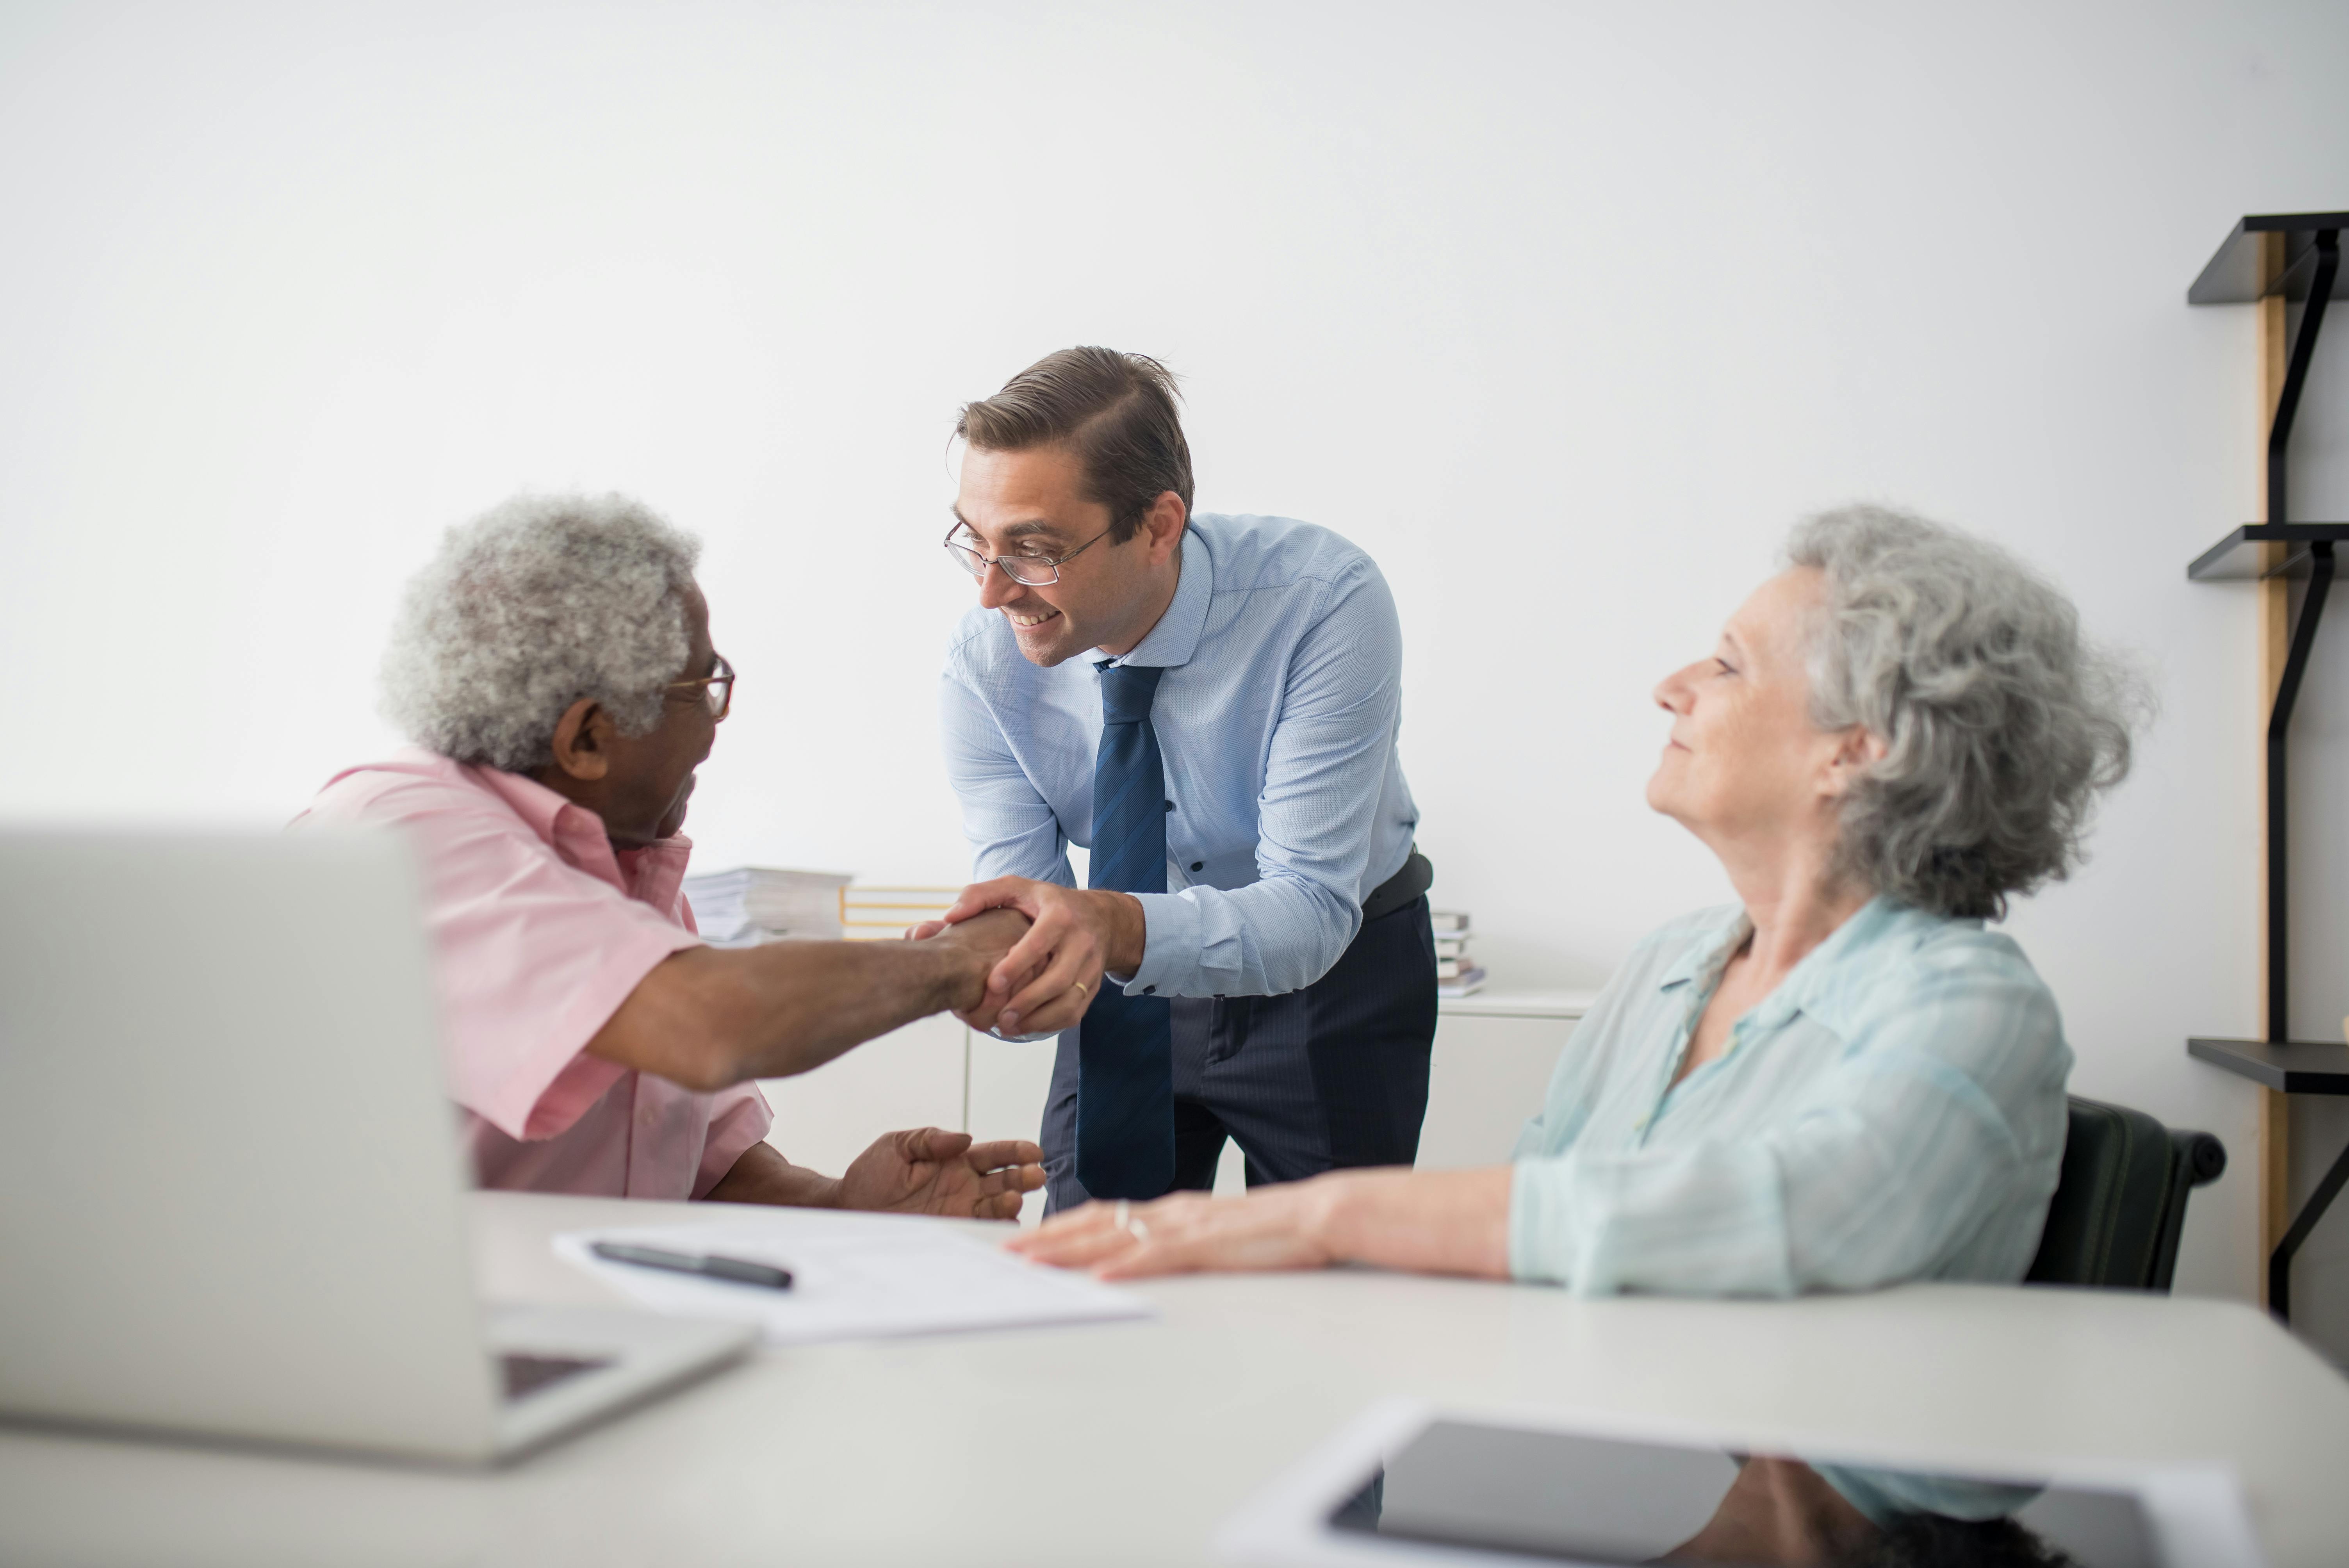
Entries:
{"x":2121,"y":1200}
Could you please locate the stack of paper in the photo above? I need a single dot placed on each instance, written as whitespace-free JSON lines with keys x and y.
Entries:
{"x":751,"y":904}
{"x":854,"y":1276}
{"x":1456,"y":974}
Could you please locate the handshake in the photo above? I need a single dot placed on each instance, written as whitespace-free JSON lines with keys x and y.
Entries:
{"x":1016,"y":956}
{"x":1035,"y":952}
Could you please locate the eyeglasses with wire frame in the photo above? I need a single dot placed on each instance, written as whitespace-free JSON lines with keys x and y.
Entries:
{"x":716,"y":690}
{"x":1030,"y":569}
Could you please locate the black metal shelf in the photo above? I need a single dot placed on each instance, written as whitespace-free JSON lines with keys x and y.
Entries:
{"x":2296,"y":256}
{"x":2246,"y":552}
{"x":2233,"y":275}
{"x":2292,"y":1067}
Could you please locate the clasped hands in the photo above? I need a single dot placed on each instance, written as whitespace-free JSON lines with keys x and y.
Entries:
{"x":1044,"y":982}
{"x":1051,"y":975}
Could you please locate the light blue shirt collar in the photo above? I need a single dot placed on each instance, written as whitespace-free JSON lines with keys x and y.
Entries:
{"x":1811,"y":986}
{"x":1172,"y":642}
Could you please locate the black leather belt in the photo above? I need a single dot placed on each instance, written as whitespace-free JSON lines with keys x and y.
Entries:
{"x":1418,"y":874}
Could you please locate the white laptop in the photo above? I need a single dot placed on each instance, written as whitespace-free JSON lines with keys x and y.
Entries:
{"x":231,"y":1191}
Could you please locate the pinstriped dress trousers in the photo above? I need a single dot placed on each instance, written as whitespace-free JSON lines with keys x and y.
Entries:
{"x":1328,"y":1078}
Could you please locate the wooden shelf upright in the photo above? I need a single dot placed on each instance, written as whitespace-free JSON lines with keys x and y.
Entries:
{"x":2273,"y":262}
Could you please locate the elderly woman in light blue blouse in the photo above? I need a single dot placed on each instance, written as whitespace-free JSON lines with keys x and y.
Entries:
{"x":1841,"y":1081}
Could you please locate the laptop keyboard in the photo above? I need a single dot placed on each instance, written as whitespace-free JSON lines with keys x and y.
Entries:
{"x":526,"y":1374}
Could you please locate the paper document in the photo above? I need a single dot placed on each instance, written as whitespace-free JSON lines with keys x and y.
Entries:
{"x":853,"y":1277}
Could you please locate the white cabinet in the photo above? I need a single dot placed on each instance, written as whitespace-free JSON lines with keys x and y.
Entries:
{"x":911,"y":1078}
{"x":1008,"y":1085}
{"x":1491,"y":1069}
{"x":1493,"y":1055}
{"x":932,"y":1073}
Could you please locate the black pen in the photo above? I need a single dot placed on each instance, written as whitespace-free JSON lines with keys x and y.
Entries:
{"x":738,"y":1270}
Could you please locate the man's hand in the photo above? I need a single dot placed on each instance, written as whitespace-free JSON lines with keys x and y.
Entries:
{"x":984,"y":939}
{"x":929,"y":1172}
{"x":1051,"y":975}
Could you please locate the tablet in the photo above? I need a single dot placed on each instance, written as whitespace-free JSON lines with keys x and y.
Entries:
{"x":1408,"y":1484}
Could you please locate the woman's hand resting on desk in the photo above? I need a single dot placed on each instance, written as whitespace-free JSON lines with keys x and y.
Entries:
{"x":1442,"y":1221}
{"x":1275,"y":1229}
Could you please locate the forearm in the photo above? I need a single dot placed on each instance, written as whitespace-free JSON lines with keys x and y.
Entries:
{"x":764,"y":1176}
{"x":1274,"y":936}
{"x":1428,"y":1221}
{"x":708,"y":1018}
{"x":799,"y":1005}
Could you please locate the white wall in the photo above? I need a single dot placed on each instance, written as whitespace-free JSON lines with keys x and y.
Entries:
{"x":1563,"y":311}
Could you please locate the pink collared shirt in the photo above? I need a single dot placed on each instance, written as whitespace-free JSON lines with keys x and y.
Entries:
{"x":539,"y":932}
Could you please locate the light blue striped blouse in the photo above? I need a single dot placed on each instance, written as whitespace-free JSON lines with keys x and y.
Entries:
{"x":1894,"y":1111}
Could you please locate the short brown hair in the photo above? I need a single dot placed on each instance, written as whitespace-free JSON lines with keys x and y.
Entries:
{"x":1115,"y":411}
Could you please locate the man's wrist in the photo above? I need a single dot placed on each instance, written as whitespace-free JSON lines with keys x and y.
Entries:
{"x":1123,"y":929}
{"x":958,"y":977}
{"x":762,"y":1175}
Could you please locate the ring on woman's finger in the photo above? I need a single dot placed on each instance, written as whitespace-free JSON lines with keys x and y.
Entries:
{"x":1122,"y":1218}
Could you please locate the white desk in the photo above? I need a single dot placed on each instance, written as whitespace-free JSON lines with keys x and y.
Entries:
{"x":1128,"y":1443}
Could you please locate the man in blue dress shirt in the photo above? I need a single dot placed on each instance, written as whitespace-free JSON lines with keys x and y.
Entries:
{"x":1210,"y":705}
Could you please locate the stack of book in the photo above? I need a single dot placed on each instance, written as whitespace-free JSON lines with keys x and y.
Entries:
{"x":875,"y":913}
{"x":1456,"y":974}
{"x":751,"y":904}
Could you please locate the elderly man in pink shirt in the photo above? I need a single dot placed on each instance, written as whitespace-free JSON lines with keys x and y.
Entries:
{"x":553,"y":666}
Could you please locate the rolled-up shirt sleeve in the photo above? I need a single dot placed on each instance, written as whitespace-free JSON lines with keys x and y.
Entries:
{"x":1902,"y":1152}
{"x":532,"y":958}
{"x":1341,"y":708}
{"x":738,"y":1118}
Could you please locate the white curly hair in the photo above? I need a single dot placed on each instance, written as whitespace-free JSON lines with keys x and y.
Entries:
{"x":2003,"y":723}
{"x":526,"y":608}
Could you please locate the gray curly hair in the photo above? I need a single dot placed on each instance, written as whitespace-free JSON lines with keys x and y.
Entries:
{"x":2003,"y":723}
{"x":526,"y":608}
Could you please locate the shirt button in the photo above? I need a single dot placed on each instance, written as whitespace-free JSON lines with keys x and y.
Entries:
{"x":1150,"y":990}
{"x":1170,"y":805}
{"x":1198,"y":865}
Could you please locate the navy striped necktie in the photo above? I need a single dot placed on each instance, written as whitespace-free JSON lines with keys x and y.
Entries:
{"x":1125,"y":1045}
